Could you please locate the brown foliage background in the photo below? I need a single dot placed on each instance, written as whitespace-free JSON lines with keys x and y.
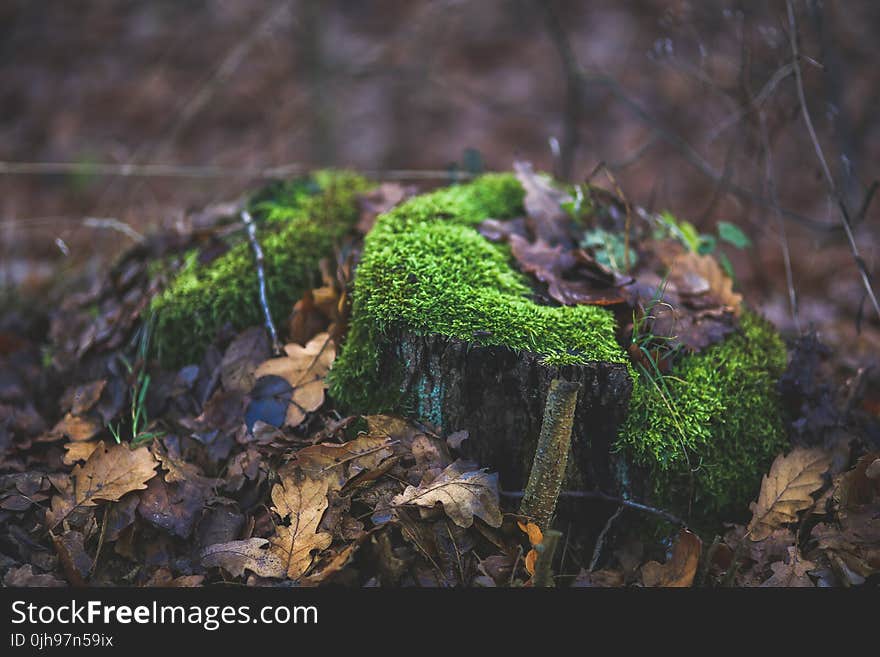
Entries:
{"x":668,"y":104}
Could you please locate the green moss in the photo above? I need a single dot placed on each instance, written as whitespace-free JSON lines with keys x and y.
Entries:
{"x":718,"y":429}
{"x":299,"y":224}
{"x":427,"y":270}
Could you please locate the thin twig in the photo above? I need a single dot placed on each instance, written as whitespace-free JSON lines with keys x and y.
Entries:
{"x":826,"y":171}
{"x":605,"y":497}
{"x":209,"y":172}
{"x":261,"y":277}
{"x":573,"y":89}
{"x":783,"y":237}
{"x":600,"y":541}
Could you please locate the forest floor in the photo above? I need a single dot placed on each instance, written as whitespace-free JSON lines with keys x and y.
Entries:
{"x":117,"y":472}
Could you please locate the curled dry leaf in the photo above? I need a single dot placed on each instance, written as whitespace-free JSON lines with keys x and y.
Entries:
{"x":109,"y":473}
{"x":681,"y":568}
{"x":787,"y":490}
{"x":535,"y":538}
{"x":463,"y":494}
{"x":304,"y":368}
{"x":697,"y":275}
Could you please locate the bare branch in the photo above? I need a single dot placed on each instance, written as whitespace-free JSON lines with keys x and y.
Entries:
{"x":826,"y":171}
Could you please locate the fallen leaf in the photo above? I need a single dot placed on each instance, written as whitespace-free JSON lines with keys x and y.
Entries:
{"x":532,"y":531}
{"x":339,"y":463}
{"x":80,"y":399}
{"x":697,"y":275}
{"x":243,"y":355}
{"x":787,"y":490}
{"x":174,"y":507}
{"x":853,"y":545}
{"x":571,"y":277}
{"x":288,"y":553}
{"x":792,"y":572}
{"x":379,"y":201}
{"x":164,"y":577}
{"x":857,"y":486}
{"x":605,"y":578}
{"x":109,"y":473}
{"x":304,"y":368}
{"x":681,"y":568}
{"x":270,"y":399}
{"x":463,"y":494}
{"x":24,"y":576}
{"x":76,"y":428}
{"x":530,"y":561}
{"x":79,"y":451}
{"x":72,"y":555}
{"x":547,"y":220}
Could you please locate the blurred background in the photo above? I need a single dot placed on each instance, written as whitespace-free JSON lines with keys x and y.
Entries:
{"x":693,"y":107}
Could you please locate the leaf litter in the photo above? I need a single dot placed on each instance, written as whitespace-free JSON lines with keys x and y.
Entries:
{"x":250,"y":474}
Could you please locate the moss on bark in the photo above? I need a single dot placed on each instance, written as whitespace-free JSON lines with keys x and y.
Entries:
{"x":426,"y":270}
{"x":299,"y":224}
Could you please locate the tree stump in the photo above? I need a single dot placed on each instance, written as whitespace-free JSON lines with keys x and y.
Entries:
{"x":497,"y":395}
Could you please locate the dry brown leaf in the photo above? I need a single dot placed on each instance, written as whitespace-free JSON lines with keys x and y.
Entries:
{"x":543,"y":203}
{"x":792,"y":572}
{"x":242,"y":356}
{"x":463,"y":494}
{"x":80,"y":451}
{"x":853,"y":546}
{"x":24,"y":576}
{"x":288,"y":553}
{"x":681,"y":568}
{"x":81,"y":398}
{"x":304,"y":368}
{"x":379,"y":201}
{"x":787,"y":490}
{"x":701,"y":275}
{"x":76,"y":428}
{"x":605,"y":578}
{"x":109,"y":473}
{"x":339,"y":463}
{"x":857,"y":486}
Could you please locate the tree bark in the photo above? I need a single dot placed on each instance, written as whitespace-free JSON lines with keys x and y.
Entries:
{"x":498,"y":396}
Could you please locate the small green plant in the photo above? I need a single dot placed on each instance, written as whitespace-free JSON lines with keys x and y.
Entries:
{"x":139,"y":420}
{"x":703,"y":243}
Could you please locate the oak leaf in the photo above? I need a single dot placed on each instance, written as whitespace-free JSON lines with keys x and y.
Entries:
{"x":791,"y":573}
{"x":681,"y":568}
{"x":107,"y":475}
{"x":787,"y":490}
{"x":339,"y":463}
{"x":304,"y":368}
{"x":463,"y":494}
{"x":288,"y":553}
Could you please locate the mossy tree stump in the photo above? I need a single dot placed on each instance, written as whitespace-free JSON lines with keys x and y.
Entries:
{"x":445,"y":329}
{"x":498,"y":394}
